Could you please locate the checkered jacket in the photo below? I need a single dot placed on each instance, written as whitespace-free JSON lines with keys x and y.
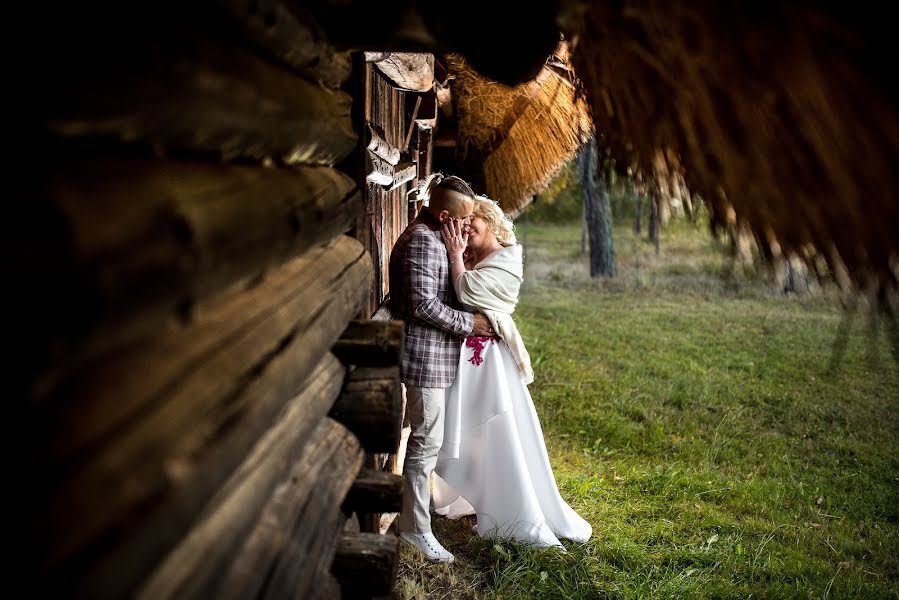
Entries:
{"x":421,"y":294}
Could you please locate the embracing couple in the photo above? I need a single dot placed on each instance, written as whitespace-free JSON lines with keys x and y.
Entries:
{"x":455,"y":275}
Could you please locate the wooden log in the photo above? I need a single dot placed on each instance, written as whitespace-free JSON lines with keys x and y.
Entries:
{"x":366,"y":563}
{"x":413,"y":71}
{"x":131,"y":448}
{"x":288,"y":32}
{"x":184,"y":90}
{"x":371,"y":406}
{"x":146,"y":241}
{"x":371,"y":343}
{"x":375,"y":492}
{"x":380,"y":147}
{"x":278,"y":513}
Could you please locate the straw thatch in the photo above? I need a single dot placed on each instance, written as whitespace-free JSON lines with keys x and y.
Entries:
{"x":779,"y":114}
{"x":524,"y":134}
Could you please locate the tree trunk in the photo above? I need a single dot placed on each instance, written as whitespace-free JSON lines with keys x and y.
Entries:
{"x":597,"y":212}
{"x":655,"y":221}
{"x":638,"y":213}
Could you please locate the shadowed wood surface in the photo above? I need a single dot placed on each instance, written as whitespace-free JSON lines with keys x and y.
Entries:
{"x":370,"y":343}
{"x":366,"y":563}
{"x":286,"y":30}
{"x":375,"y":492}
{"x":145,"y":241}
{"x":186,"y":91}
{"x":371,"y":406}
{"x":166,"y":420}
{"x":282,"y":536}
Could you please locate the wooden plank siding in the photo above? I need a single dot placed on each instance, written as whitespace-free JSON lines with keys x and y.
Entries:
{"x":388,"y":212}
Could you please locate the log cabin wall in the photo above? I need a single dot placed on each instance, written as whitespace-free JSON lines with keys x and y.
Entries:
{"x":399,"y":123}
{"x":386,"y":205}
{"x":184,"y":285}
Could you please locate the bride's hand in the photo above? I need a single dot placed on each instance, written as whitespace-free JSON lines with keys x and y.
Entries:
{"x":455,"y":238}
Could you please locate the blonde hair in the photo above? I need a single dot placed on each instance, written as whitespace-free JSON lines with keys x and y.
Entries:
{"x":497,"y":221}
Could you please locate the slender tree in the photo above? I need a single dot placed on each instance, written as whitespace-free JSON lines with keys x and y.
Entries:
{"x":597,"y":211}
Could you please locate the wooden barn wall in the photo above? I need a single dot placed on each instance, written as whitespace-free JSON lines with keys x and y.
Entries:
{"x":194,"y":400}
{"x":387,"y":211}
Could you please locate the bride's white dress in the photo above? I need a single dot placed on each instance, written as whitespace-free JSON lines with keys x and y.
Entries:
{"x":493,"y":462}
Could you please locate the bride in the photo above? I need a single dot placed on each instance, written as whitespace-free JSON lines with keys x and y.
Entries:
{"x":493,"y":462}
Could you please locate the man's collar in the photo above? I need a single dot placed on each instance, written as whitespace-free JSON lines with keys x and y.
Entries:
{"x":425,"y":216}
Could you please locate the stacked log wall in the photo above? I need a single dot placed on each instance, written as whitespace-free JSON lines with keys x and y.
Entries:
{"x":183,"y":276}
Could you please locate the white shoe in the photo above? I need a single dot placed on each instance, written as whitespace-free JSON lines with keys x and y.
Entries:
{"x":428,"y":545}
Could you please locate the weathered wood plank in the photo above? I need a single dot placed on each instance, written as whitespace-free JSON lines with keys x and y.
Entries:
{"x":278,"y":513}
{"x":366,"y":563}
{"x":371,"y":343}
{"x":288,"y":32}
{"x":147,"y":240}
{"x":131,"y":448}
{"x":186,"y":91}
{"x":371,"y":406}
{"x":375,"y":492}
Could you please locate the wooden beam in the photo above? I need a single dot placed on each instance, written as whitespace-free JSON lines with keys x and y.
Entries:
{"x":371,"y":343}
{"x":403,"y":173}
{"x":126,"y":452}
{"x":375,"y":492}
{"x":278,"y":514}
{"x":371,"y":406}
{"x":287,"y":31}
{"x":189,"y":92}
{"x":390,"y":176}
{"x":366,"y":563}
{"x":412,"y":123}
{"x":147,"y":241}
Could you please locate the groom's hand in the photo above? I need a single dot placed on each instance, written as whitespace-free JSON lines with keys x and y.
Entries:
{"x":482,"y":326}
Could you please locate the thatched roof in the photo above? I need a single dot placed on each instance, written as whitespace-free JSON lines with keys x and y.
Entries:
{"x":779,"y":114}
{"x":523,"y":134}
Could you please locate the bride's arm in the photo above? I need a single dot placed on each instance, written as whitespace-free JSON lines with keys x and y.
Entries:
{"x":456,"y":241}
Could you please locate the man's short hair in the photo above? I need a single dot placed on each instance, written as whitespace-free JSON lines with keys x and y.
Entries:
{"x":450,"y":182}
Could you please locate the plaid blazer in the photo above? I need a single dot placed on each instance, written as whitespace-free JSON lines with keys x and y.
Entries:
{"x":421,"y":294}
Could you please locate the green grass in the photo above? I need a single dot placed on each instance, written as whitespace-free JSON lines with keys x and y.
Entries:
{"x":693,"y":415}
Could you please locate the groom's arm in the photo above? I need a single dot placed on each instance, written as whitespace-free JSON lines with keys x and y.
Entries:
{"x":421,"y":265}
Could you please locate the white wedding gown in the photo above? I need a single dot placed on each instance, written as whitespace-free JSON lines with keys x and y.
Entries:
{"x":494,"y":462}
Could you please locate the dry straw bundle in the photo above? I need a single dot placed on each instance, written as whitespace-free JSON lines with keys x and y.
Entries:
{"x":525,"y":133}
{"x":778,"y":113}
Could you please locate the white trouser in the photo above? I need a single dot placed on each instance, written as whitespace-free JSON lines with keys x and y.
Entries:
{"x":424,"y":407}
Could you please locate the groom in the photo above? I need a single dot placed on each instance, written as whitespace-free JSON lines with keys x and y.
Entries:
{"x":422,"y":295}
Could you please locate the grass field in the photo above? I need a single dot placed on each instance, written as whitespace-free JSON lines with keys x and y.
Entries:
{"x":697,"y":418}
